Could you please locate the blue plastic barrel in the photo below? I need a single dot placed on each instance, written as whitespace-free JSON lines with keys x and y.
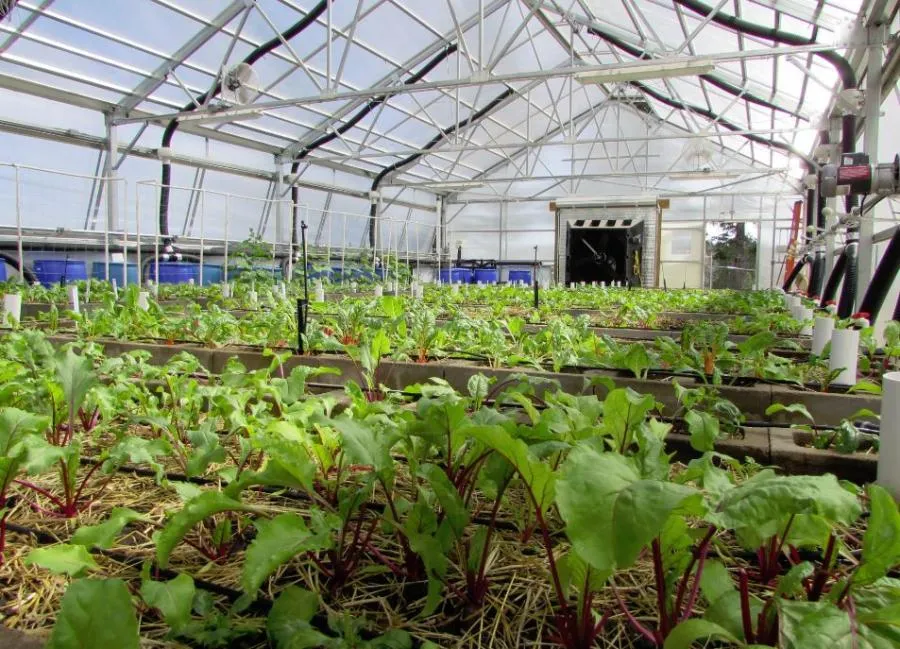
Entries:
{"x":98,"y":271}
{"x":174,"y":272}
{"x":212,"y":274}
{"x":523,"y":276}
{"x":52,"y":271}
{"x":2,"y":271}
{"x":456,"y":276}
{"x":486,"y":275}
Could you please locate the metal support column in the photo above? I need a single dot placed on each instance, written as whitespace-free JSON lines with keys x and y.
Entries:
{"x":112,"y":190}
{"x":282,"y":231}
{"x":866,"y":252}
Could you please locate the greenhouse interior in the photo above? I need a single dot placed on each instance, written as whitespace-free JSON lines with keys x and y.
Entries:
{"x":418,"y":324}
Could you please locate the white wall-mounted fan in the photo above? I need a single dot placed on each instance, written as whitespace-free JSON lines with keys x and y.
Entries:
{"x":240,"y":85}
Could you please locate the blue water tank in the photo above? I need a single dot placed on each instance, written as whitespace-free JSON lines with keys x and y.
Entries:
{"x":456,"y":275}
{"x":98,"y":271}
{"x":174,"y":272}
{"x":486,"y":275}
{"x":523,"y":276}
{"x":2,"y":271}
{"x":51,"y":271}
{"x":212,"y":274}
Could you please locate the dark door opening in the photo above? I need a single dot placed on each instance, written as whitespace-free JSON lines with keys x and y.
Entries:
{"x":604,"y":254}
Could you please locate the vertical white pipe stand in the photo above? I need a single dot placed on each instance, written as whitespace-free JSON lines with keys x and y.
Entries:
{"x":144,"y":300}
{"x":72,"y":292}
{"x":805,"y":316}
{"x":889,"y":445}
{"x":844,"y":353}
{"x":379,"y":290}
{"x":12,"y":308}
{"x":822,"y":331}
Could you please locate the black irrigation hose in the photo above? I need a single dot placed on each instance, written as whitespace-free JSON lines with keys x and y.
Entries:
{"x":817,"y":275}
{"x":371,"y":105}
{"x":885,"y":273}
{"x":250,"y":59}
{"x":834,"y":280}
{"x":848,"y":290}
{"x":433,"y":142}
{"x":795,"y":273}
{"x":14,"y":262}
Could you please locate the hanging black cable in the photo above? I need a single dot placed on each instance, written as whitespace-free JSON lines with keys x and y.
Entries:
{"x":848,"y":289}
{"x":712,"y":79}
{"x":371,"y":105}
{"x":444,"y":132}
{"x":250,"y":59}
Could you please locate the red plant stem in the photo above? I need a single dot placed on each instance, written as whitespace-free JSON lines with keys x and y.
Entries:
{"x":56,"y":501}
{"x":745,"y":606}
{"x":390,"y":564}
{"x":548,"y":545}
{"x":787,"y":529}
{"x":3,"y":532}
{"x":325,"y":571}
{"x":84,"y":482}
{"x":818,"y":584}
{"x":682,"y":587}
{"x":640,"y":628}
{"x":490,"y":532}
{"x":701,"y":560}
{"x":851,"y":613}
{"x":660,"y":588}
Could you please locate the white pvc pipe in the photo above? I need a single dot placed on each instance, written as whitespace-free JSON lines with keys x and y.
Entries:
{"x":226,"y":290}
{"x":319,"y":294}
{"x":12,"y":308}
{"x":72,"y":292}
{"x":379,"y":290}
{"x":115,"y":288}
{"x":889,"y":444}
{"x":805,"y":317}
{"x":143,"y":300}
{"x":844,"y":354}
{"x":821,"y":334}
{"x":254,"y":297}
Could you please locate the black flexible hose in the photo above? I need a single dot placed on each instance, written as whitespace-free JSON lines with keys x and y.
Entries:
{"x":817,"y":275}
{"x":250,"y":59}
{"x":883,"y":279}
{"x":14,"y":262}
{"x":371,"y":105}
{"x":848,"y":290}
{"x":842,"y":65}
{"x":444,"y":132}
{"x":834,"y":279}
{"x":795,"y":273}
{"x":712,"y":79}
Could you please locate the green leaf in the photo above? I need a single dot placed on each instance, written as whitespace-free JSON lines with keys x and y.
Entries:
{"x":867,"y":387}
{"x":881,"y":540}
{"x":365,"y":445}
{"x":478,"y":386}
{"x":15,"y":427}
{"x":812,"y":625}
{"x":174,"y":599}
{"x":63,"y":559}
{"x":611,"y":514}
{"x":448,"y":496}
{"x":688,"y":632}
{"x":288,"y":622}
{"x":95,"y":613}
{"x":637,"y":360}
{"x":756,"y":508}
{"x":704,"y":430}
{"x":792,"y":582}
{"x":793,"y":408}
{"x":623,"y":410}
{"x":104,"y":534}
{"x":76,"y":376}
{"x":277,"y":541}
{"x":194,"y":511}
{"x":539,"y":477}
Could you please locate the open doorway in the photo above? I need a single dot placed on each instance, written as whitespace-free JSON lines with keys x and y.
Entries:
{"x":731,"y":253}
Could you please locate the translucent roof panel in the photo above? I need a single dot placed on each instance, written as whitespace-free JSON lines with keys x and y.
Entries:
{"x":428,"y":93}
